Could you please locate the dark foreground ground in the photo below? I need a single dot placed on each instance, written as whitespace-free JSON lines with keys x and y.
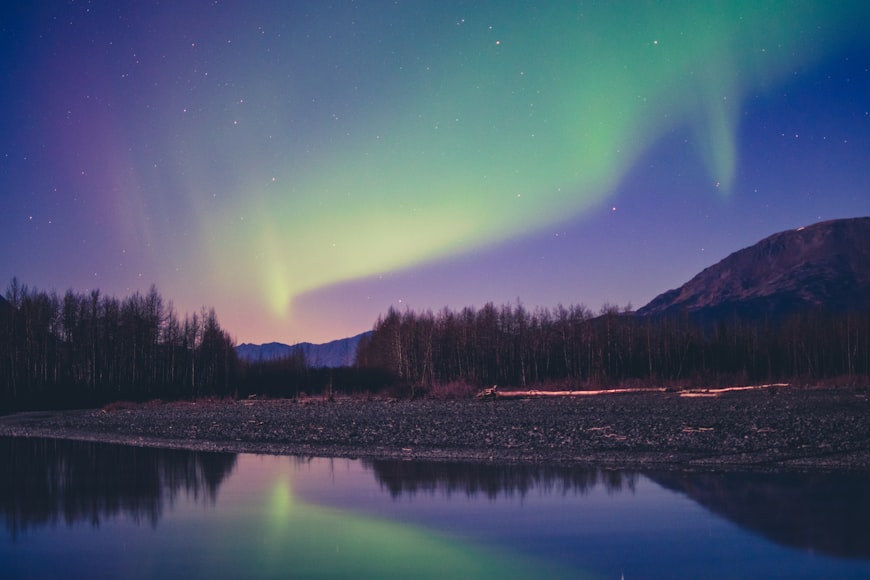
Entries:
{"x":771,"y":428}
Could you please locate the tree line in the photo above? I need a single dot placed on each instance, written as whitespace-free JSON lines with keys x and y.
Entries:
{"x":513,"y":346}
{"x":88,"y":348}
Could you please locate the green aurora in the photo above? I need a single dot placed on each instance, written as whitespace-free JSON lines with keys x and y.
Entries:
{"x":301,"y":166}
{"x":512,"y":120}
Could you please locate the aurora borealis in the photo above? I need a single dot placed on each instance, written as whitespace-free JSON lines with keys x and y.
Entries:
{"x":303,"y":166}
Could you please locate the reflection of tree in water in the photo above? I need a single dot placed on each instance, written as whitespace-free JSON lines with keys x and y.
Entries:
{"x":447,"y":478}
{"x":46,"y":480}
{"x":823,"y":512}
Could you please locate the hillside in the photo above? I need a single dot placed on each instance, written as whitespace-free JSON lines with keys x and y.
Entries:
{"x":823,"y":265}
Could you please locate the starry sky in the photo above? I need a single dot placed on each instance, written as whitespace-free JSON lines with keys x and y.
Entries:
{"x":301,"y":166}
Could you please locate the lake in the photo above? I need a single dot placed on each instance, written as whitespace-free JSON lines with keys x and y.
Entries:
{"x":76,"y":509}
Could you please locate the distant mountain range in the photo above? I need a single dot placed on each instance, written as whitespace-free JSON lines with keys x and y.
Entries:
{"x":337,"y":353}
{"x":823,"y":265}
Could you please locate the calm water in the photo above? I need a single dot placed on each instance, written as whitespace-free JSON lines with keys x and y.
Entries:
{"x":90,"y":510}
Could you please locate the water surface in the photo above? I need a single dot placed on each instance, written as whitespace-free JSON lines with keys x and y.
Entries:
{"x":78,"y":509}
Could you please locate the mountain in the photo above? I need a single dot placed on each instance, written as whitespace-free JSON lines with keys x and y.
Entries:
{"x":338,"y":353}
{"x":822,"y":265}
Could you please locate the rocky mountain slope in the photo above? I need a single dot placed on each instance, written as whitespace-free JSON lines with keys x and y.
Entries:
{"x":822,"y":265}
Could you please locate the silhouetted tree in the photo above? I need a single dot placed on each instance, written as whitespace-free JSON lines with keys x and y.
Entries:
{"x":510,"y":345}
{"x":88,"y":348}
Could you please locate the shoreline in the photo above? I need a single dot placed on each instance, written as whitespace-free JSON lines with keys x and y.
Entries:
{"x":787,"y":428}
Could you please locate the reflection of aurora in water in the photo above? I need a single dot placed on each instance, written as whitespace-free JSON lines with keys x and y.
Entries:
{"x":308,"y":539}
{"x":268,"y":531}
{"x":176,"y":513}
{"x":823,"y":512}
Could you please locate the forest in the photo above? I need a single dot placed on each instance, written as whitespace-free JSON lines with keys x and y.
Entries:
{"x":570,"y":347}
{"x":89,"y":349}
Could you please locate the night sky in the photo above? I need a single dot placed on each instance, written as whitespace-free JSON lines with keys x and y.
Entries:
{"x":301,"y":166}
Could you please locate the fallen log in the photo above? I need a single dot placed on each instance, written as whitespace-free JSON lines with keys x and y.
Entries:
{"x":493,"y":392}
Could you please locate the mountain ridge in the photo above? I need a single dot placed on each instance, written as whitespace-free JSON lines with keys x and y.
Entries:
{"x":335,"y":353}
{"x":823,"y":265}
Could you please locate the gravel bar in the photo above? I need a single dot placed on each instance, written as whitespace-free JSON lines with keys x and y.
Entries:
{"x":783,"y":428}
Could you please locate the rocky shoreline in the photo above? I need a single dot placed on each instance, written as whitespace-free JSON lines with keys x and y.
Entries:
{"x":783,"y":428}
